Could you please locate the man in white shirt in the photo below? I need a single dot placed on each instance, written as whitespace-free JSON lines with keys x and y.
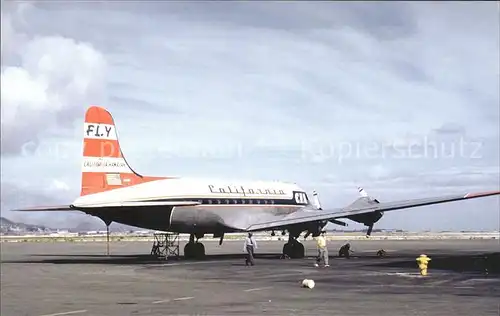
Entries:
{"x":322,"y":250}
{"x":249,"y":247}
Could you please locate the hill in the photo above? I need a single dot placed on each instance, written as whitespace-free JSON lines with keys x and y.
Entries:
{"x":9,"y":227}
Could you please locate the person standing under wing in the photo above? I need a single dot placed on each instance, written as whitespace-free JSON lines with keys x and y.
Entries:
{"x":250,"y":246}
{"x":322,"y":250}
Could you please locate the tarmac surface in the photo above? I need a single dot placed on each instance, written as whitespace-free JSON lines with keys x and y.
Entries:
{"x":80,"y":279}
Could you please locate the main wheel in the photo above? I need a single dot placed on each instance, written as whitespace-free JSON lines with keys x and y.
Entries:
{"x":199,"y":250}
{"x":288,"y":249}
{"x":189,"y":250}
{"x":298,"y":250}
{"x":294,"y":250}
{"x":194,"y":251}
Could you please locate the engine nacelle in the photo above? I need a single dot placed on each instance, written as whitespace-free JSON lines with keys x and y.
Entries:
{"x":367,"y":219}
{"x":314,"y":228}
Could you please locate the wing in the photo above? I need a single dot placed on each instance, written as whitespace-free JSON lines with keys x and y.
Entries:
{"x":82,"y":207}
{"x":309,"y":215}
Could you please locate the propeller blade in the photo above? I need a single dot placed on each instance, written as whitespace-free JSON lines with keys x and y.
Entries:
{"x":362,"y":192}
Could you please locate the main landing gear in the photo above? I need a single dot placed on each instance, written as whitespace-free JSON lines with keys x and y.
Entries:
{"x":194,"y":250}
{"x":293,"y":248}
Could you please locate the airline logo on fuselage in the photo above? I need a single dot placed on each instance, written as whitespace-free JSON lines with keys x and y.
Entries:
{"x":245,"y":191}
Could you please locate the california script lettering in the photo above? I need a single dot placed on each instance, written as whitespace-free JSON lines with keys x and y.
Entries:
{"x":245,"y":191}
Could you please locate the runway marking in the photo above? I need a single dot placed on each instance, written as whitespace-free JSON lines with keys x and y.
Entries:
{"x":161,"y":301}
{"x":187,"y":263}
{"x":479,"y":280}
{"x":183,"y":298}
{"x":407,"y":274}
{"x":175,"y":299}
{"x":440,"y":282}
{"x":67,"y":313}
{"x":258,"y":289}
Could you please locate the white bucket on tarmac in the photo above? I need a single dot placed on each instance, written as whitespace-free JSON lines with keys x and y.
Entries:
{"x":308,"y":283}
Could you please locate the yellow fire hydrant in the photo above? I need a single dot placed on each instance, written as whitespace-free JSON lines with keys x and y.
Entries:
{"x":423,"y":262}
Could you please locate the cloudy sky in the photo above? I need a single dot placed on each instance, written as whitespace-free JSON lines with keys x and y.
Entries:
{"x":400,"y":98}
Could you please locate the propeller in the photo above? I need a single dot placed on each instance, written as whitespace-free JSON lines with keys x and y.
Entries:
{"x":316,"y":201}
{"x":363,"y":193}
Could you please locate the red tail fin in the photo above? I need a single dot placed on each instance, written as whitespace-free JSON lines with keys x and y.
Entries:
{"x":104,"y":166}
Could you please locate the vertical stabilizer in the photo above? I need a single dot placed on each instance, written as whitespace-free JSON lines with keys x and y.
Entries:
{"x":104,"y":167}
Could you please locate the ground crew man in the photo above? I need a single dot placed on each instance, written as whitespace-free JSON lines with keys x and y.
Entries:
{"x":322,"y":250}
{"x":423,"y":262}
{"x":345,"y":251}
{"x":249,"y":246}
{"x":381,"y":253}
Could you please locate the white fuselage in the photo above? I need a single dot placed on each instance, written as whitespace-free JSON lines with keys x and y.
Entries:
{"x":198,"y":189}
{"x":222,"y":203}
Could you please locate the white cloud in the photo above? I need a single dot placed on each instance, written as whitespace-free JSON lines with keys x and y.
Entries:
{"x":267,"y":91}
{"x":48,"y":192}
{"x":45,"y":90}
{"x":59,"y":185}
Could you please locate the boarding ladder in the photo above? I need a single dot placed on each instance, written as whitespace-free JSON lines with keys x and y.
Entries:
{"x":165,"y":245}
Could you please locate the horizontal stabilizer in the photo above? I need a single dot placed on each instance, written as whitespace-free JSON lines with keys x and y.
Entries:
{"x":57,"y":208}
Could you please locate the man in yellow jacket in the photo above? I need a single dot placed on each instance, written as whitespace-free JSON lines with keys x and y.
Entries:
{"x":322,"y":250}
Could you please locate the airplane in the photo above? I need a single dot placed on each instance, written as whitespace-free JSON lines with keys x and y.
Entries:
{"x":112,"y":191}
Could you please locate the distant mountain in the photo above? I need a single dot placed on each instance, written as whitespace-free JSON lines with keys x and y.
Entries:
{"x":87,"y":226}
{"x":9,"y":227}
{"x":94,"y":224}
{"x":100,"y":226}
{"x":5,"y":222}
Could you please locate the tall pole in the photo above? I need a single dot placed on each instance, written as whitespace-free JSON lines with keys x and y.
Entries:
{"x":107,"y":237}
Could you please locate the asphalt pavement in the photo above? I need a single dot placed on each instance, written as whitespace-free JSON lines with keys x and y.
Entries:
{"x":80,"y":279}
